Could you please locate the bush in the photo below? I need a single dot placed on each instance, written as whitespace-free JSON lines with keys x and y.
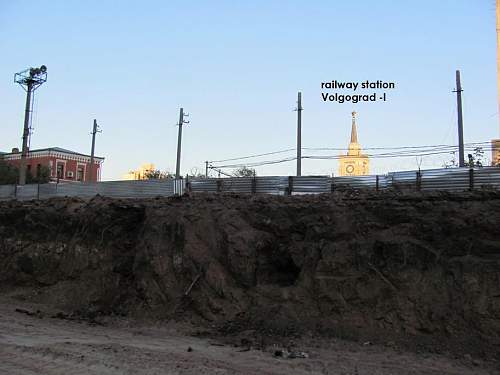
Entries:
{"x":9,"y":175}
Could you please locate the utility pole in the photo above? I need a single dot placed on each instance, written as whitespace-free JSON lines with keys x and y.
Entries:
{"x":206,"y":169}
{"x":26,"y":133}
{"x":461,"y":160}
{"x":95,"y":130}
{"x":29,"y":79}
{"x":498,"y":56}
{"x":299,"y":134}
{"x":495,"y":143}
{"x":179,"y":142}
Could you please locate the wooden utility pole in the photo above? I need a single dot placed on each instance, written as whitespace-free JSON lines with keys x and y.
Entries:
{"x":179,"y":141}
{"x":461,"y":160}
{"x":299,"y":134}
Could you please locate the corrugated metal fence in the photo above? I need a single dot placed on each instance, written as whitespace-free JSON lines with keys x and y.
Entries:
{"x":457,"y":179}
{"x":115,"y":189}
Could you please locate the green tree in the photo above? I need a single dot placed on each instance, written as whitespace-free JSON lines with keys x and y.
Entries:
{"x":42,"y":176}
{"x":8,"y":174}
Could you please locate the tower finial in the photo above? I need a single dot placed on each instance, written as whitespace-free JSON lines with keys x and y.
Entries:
{"x":354,"y":132}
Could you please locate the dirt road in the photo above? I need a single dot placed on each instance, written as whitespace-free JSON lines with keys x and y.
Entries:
{"x":44,"y":345}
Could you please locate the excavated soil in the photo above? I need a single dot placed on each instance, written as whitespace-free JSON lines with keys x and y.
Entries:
{"x":413,"y":271}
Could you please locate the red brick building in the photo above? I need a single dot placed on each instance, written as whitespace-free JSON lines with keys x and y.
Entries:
{"x":64,"y":165}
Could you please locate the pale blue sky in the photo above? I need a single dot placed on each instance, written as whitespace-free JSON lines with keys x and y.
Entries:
{"x":236,"y":67}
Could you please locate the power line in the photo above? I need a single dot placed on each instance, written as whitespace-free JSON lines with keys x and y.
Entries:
{"x":256,"y":164}
{"x":220,"y":172}
{"x":428,"y":152}
{"x":253,"y":156}
{"x":436,"y":147}
{"x":390,"y":148}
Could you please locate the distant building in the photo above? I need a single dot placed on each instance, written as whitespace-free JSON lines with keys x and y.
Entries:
{"x":141,"y":173}
{"x":495,"y":152}
{"x":64,"y":165}
{"x":355,"y":163}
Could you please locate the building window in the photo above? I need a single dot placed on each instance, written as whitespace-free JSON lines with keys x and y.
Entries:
{"x":38,"y":168}
{"x":60,"y":171}
{"x":80,"y":173}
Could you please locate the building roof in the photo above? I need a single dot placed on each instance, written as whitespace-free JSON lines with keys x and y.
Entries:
{"x":54,"y":149}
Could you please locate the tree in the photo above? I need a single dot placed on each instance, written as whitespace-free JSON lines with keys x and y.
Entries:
{"x":42,"y":176}
{"x":8,"y":174}
{"x":244,"y":172}
{"x":452,"y":163}
{"x":157,"y":175}
{"x":195,"y":173}
{"x":476,"y":159}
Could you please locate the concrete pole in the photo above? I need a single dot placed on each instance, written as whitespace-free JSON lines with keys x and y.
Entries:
{"x":92,"y":151}
{"x":498,"y":59}
{"x":26,"y":134}
{"x":299,"y":134}
{"x":206,"y":169}
{"x":461,"y":160}
{"x":179,"y":139}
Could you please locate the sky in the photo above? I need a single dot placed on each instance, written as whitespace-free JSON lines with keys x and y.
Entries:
{"x":236,"y":68}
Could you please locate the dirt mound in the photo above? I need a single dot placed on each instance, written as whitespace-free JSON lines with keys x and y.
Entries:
{"x":377,"y":265}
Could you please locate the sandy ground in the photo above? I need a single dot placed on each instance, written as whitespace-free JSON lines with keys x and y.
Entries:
{"x":45,"y":345}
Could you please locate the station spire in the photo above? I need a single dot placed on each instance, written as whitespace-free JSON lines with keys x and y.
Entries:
{"x":354,"y":163}
{"x":354,"y":132}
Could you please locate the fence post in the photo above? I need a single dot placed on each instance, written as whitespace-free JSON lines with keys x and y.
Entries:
{"x":377,"y":182}
{"x":471,"y":179}
{"x":332,"y":185}
{"x":219,"y":185}
{"x":418,"y":183}
{"x":15,"y":190}
{"x":290,"y":185}
{"x":254,"y":184}
{"x":38,"y":192}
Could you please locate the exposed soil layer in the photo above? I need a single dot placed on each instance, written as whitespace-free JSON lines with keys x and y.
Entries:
{"x":420,"y":269}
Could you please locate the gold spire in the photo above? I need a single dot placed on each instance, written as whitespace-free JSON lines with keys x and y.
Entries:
{"x":354,"y":132}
